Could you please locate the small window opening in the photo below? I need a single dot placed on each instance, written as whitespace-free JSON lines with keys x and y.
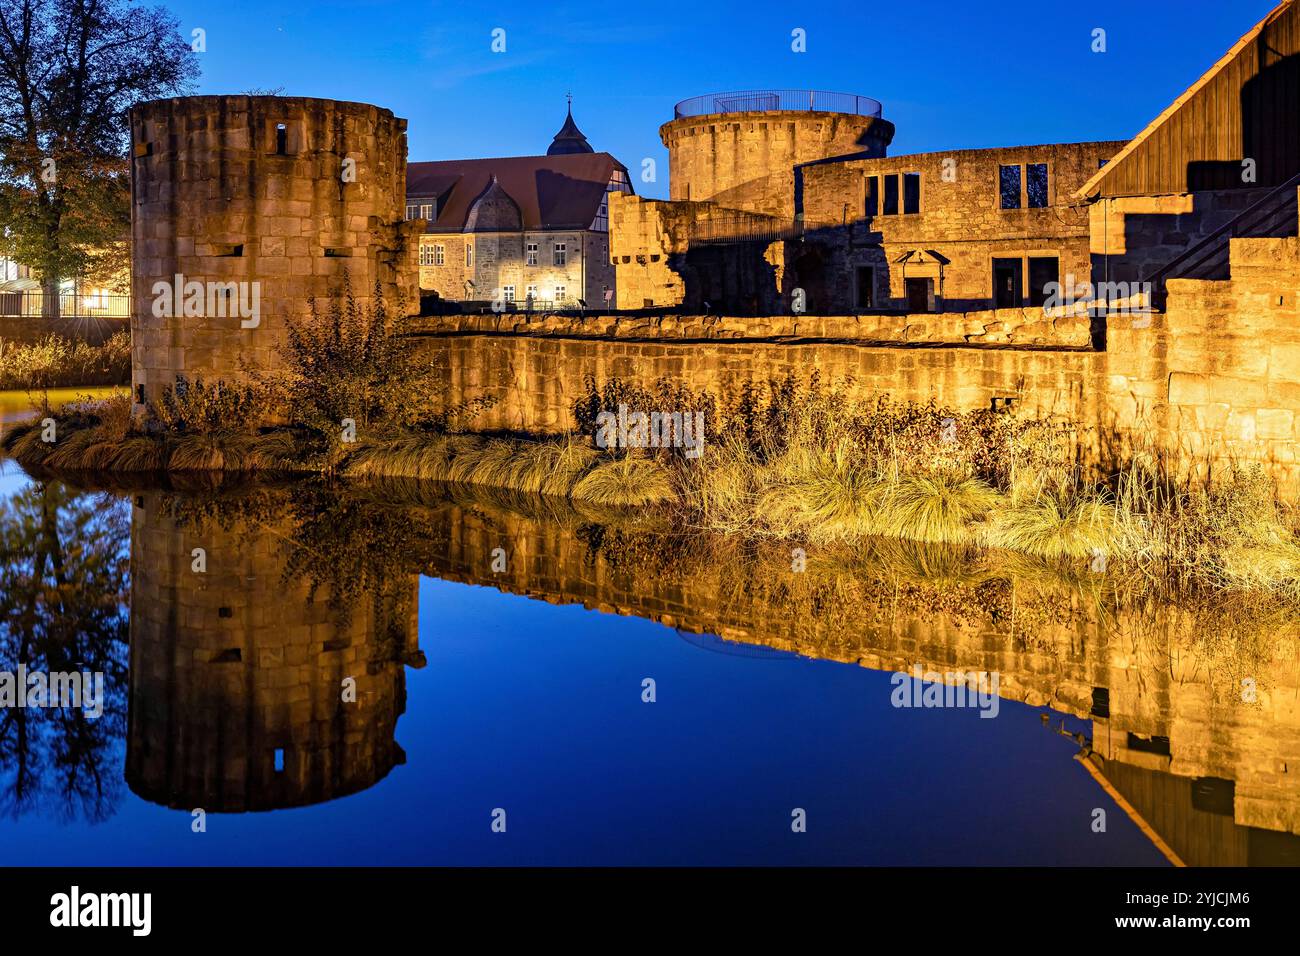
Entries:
{"x":281,"y":140}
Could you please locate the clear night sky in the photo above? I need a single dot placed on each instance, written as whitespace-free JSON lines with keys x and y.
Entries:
{"x":951,"y":73}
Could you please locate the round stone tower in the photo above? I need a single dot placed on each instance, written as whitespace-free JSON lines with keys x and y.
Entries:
{"x":740,"y":149}
{"x":244,"y":208}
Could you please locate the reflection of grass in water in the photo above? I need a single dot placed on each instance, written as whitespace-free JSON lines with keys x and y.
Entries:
{"x":803,"y":464}
{"x":363,"y":541}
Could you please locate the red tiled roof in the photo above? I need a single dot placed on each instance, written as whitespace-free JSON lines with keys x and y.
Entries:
{"x":553,"y":192}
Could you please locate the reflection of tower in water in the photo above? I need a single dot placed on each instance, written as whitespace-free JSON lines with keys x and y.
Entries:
{"x":237,"y":674}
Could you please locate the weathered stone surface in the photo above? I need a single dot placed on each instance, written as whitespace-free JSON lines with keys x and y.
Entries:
{"x":219,"y":197}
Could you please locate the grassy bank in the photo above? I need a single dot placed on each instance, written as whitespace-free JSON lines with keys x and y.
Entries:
{"x":791,"y":461}
{"x":905,"y":477}
{"x":58,"y":362}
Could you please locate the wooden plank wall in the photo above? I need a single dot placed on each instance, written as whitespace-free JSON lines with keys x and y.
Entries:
{"x":1251,"y":108}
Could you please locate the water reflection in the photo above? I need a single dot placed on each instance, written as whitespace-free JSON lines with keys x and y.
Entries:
{"x":63,"y":589}
{"x":240,"y":662}
{"x":255,"y":685}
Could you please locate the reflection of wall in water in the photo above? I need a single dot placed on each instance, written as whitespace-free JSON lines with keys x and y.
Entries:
{"x":1159,"y":684}
{"x":232,"y":665}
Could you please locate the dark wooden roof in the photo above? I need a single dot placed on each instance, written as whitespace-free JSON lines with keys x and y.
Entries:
{"x":552,"y":192}
{"x":1245,"y":106}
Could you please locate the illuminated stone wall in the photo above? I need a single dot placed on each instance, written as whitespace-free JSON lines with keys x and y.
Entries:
{"x":287,"y":193}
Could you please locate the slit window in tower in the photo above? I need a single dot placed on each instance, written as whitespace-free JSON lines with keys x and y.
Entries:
{"x":281,"y":139}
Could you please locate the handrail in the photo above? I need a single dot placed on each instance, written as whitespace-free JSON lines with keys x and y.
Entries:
{"x":764,"y":101}
{"x":1286,"y":189}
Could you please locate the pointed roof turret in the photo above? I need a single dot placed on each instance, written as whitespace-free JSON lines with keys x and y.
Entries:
{"x":569,"y":139}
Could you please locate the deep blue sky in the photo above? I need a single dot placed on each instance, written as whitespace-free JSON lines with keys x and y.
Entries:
{"x":951,"y":73}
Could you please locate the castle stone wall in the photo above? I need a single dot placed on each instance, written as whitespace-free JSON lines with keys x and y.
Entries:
{"x":279,"y":195}
{"x":746,"y":160}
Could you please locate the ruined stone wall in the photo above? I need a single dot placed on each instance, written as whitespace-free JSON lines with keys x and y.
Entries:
{"x":746,"y":160}
{"x":288,"y":194}
{"x":960,"y":217}
{"x":535,"y":379}
{"x":1212,"y":382}
{"x":644,"y":234}
{"x":233,"y":663}
{"x":1216,"y":377}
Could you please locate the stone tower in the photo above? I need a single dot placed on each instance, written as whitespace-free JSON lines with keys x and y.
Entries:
{"x":236,"y":671}
{"x":259,"y":203}
{"x":740,"y":149}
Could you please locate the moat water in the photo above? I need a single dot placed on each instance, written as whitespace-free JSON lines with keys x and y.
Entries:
{"x":301,"y":674}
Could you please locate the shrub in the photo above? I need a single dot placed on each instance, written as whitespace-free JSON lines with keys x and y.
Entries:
{"x":354,"y":362}
{"x":58,"y":362}
{"x":197,"y":408}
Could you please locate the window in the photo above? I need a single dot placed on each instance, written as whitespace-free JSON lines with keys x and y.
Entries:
{"x":560,"y":293}
{"x":426,"y":255}
{"x":426,"y":210}
{"x":911,"y":194}
{"x":1036,"y":185}
{"x":561,"y":253}
{"x":891,"y":196}
{"x":1044,"y":271}
{"x":508,"y":293}
{"x":439,"y":254}
{"x":469,"y":255}
{"x":530,"y":292}
{"x":1009,"y":186}
{"x":412,"y":212}
{"x":1007,"y":275}
{"x":531,"y":254}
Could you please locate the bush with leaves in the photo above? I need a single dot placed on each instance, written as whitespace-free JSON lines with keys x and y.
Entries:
{"x":197,"y":408}
{"x":354,"y":362}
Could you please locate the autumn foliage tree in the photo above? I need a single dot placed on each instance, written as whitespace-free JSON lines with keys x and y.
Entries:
{"x":70,"y":70}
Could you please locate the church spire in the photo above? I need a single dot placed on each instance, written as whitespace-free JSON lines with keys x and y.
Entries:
{"x":569,"y":139}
